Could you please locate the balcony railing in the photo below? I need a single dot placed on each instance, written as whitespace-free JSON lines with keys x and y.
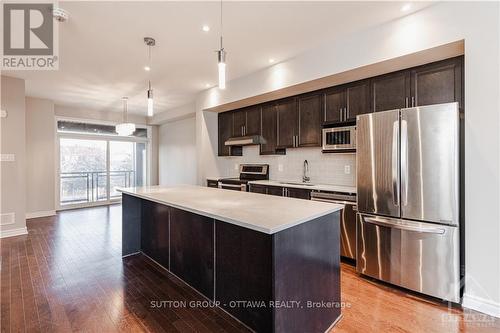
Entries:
{"x":82,"y":187}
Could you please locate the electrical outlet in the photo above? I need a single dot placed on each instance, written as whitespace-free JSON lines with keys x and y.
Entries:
{"x":3,"y":113}
{"x":280,"y":167}
{"x":236,"y":166}
{"x":347,"y":169}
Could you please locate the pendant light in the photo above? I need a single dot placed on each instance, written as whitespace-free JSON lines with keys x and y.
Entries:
{"x":125,"y":128}
{"x":150,"y":42}
{"x":221,"y":57}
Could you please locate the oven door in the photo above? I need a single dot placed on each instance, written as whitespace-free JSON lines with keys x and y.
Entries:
{"x":423,"y":257}
{"x":233,"y":187}
{"x":339,"y":138}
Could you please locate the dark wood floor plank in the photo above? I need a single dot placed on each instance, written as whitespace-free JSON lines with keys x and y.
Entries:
{"x":67,"y":275}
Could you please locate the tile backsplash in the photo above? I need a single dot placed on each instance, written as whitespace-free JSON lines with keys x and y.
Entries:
{"x":328,"y":168}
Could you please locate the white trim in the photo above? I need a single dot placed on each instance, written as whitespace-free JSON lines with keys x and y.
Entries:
{"x":41,"y":213}
{"x":13,"y":232}
{"x":90,"y":204}
{"x":482,"y":305}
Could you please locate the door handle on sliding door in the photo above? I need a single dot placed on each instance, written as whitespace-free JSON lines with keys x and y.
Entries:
{"x":404,"y":161}
{"x":395,"y":163}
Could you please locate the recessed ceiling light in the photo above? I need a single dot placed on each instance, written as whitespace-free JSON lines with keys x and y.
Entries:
{"x":147,"y":68}
{"x":406,"y":7}
{"x":271,"y":60}
{"x":205,"y":28}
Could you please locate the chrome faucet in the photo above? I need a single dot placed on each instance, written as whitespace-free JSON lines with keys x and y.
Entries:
{"x":305,"y":174}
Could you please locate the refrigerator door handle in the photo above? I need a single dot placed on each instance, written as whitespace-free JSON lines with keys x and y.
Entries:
{"x":403,"y":226}
{"x":404,"y":161}
{"x":395,"y":162}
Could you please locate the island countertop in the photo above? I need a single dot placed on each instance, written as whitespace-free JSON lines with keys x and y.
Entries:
{"x":260,"y":212}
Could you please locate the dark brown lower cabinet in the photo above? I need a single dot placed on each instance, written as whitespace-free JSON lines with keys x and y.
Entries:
{"x":154,"y":231}
{"x":275,"y":190}
{"x":298,"y":193}
{"x":244,"y":268}
{"x":192,"y":250}
{"x":258,"y":188}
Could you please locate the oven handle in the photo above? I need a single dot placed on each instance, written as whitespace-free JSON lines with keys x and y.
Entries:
{"x":229,"y":185}
{"x":383,"y":223}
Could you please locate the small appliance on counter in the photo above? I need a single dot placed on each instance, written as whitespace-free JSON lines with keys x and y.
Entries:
{"x":408,"y":189}
{"x":248,"y":172}
{"x":347,"y":218}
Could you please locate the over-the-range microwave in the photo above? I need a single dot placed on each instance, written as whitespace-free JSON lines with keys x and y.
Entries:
{"x":339,"y":139}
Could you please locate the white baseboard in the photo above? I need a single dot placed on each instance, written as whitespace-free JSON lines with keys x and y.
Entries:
{"x":482,"y":305}
{"x":13,"y":232}
{"x":42,"y":213}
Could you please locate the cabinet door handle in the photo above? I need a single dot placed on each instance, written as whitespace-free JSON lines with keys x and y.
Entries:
{"x":346,"y":113}
{"x":340,"y":112}
{"x":412,"y":101}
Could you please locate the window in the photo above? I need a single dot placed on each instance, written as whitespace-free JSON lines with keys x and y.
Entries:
{"x":93,"y":163}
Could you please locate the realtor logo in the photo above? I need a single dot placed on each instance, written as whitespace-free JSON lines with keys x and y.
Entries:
{"x":28,"y":36}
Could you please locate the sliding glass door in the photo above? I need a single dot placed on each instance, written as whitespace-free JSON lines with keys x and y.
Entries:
{"x":127,"y":165}
{"x":92,"y":167}
{"x":83,"y":171}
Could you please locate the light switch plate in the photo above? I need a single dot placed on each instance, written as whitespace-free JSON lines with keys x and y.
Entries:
{"x":3,"y":113}
{"x":347,"y":169}
{"x":280,"y":167}
{"x":235,"y":166}
{"x":7,"y":157}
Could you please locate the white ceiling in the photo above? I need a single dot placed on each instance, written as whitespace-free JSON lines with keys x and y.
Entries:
{"x":102,"y":53}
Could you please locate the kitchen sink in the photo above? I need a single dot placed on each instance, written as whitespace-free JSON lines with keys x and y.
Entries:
{"x":297,"y":183}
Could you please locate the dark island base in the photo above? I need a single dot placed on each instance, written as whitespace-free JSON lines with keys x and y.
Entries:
{"x":285,"y":282}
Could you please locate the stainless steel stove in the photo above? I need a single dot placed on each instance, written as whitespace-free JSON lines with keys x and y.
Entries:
{"x":248,"y":172}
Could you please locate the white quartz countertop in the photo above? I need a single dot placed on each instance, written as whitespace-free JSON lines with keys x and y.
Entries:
{"x":260,"y":212}
{"x":309,"y":186}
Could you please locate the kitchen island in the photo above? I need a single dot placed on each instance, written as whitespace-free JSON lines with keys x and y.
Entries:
{"x":271,"y":262}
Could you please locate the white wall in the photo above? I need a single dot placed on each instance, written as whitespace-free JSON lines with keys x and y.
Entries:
{"x":40,"y":157}
{"x":73,"y":112}
{"x":13,"y":174}
{"x":475,"y":22}
{"x":177,"y":152}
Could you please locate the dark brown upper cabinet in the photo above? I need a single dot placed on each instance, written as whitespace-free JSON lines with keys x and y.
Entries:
{"x":246,"y":121}
{"x":239,"y":122}
{"x":391,"y":91}
{"x":269,"y":129}
{"x":357,"y":97}
{"x":436,"y":83}
{"x":225,"y":122}
{"x":345,"y":102}
{"x":334,"y":105}
{"x":310,"y":118}
{"x":287,"y":123}
{"x":253,"y":124}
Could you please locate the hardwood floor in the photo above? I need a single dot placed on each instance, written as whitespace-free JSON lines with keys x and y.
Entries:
{"x":67,"y":275}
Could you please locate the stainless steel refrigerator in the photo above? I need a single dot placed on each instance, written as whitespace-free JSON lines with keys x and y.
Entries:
{"x":408,"y":198}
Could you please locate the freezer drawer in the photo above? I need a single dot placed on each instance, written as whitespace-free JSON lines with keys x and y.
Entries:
{"x":423,"y":257}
